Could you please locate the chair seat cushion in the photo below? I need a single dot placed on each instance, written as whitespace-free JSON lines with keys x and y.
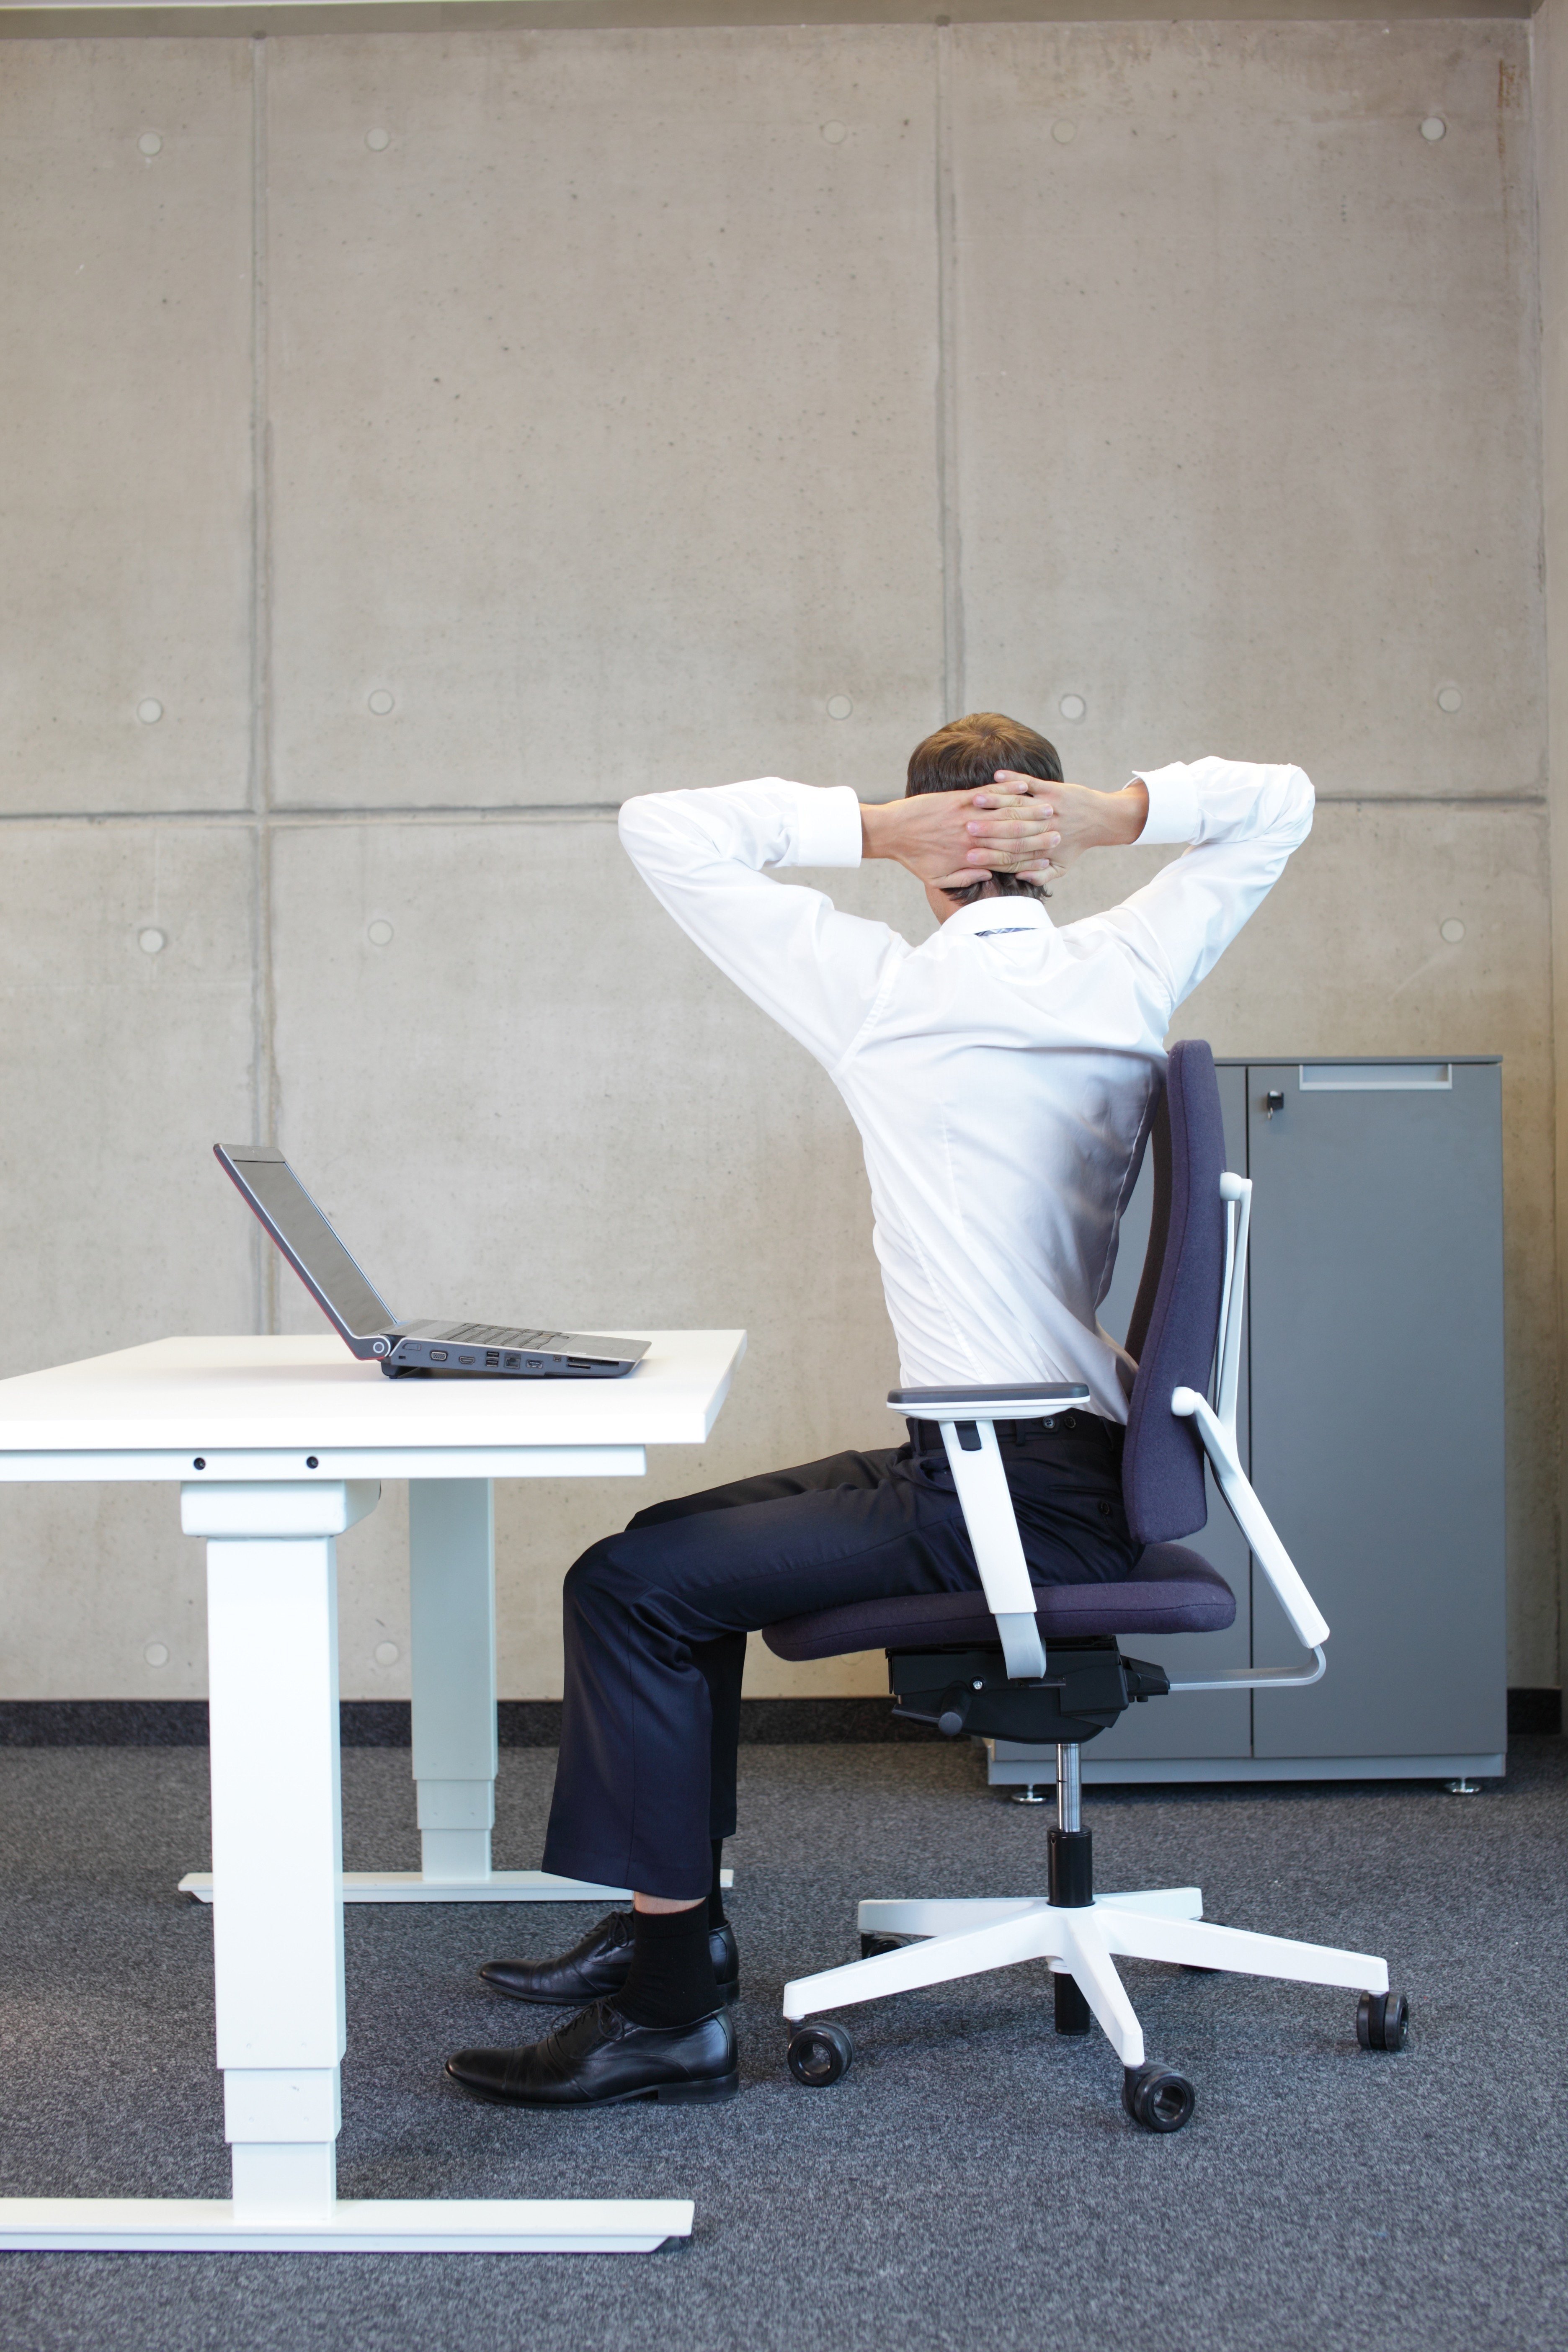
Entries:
{"x":1171,"y":1591}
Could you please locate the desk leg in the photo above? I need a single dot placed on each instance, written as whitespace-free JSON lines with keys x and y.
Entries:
{"x":452,"y":1624}
{"x":278,"y":1922}
{"x":277,"y":1935}
{"x":452,"y":1610}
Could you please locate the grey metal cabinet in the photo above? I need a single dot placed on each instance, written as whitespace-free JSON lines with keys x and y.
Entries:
{"x":1372,"y":1430}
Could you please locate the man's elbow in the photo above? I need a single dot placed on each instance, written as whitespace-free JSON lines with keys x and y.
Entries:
{"x":637,"y":825}
{"x":1299,"y":803}
{"x":629,"y":817}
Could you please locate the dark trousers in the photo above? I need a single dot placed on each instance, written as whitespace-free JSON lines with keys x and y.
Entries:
{"x":656,"y":1620}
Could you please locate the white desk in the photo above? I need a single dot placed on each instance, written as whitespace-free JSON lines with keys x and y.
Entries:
{"x":279,"y":1446}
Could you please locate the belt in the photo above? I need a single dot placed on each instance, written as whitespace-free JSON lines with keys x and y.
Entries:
{"x":926,"y":1435}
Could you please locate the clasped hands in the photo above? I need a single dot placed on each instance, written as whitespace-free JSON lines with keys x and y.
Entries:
{"x":1017,"y":824}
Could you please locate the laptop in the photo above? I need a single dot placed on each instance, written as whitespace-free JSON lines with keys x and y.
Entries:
{"x":367,"y":1325}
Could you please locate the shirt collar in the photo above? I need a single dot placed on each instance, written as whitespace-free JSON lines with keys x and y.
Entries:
{"x":1008,"y":914}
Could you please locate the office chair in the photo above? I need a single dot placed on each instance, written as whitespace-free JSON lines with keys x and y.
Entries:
{"x":1012,"y":1661}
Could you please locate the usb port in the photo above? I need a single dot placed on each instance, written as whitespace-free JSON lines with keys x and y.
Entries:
{"x":493,"y":1356}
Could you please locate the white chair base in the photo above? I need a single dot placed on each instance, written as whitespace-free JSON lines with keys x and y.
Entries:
{"x":965,"y":1938}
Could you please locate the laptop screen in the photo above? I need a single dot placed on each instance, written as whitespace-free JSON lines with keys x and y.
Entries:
{"x":306,"y":1239}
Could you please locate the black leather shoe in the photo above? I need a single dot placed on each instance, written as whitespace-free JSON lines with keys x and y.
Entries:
{"x":600,"y":2059}
{"x":597,"y":1968}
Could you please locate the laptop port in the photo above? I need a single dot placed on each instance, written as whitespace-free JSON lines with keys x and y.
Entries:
{"x":493,"y":1356}
{"x":438,"y":1355}
{"x":468,"y":1360}
{"x":512,"y":1362}
{"x":581,"y":1364}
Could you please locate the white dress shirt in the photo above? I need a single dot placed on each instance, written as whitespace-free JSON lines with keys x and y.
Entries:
{"x":1003,"y":1073}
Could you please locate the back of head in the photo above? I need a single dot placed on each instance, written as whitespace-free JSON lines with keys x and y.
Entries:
{"x":964,"y":756}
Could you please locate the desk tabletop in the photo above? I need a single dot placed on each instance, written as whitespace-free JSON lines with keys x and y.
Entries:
{"x":224,"y":1396}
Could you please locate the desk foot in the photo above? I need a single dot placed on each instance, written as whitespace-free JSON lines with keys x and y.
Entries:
{"x":173,"y":2225}
{"x":497,"y":1886}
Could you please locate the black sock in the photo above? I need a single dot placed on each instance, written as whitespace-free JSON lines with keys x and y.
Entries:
{"x":671,"y":1980}
{"x":716,"y":1893}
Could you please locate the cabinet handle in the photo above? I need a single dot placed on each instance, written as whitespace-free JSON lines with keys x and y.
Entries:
{"x":1377,"y":1078}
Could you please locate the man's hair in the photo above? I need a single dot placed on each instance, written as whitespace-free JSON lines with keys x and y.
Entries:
{"x":965,"y":754}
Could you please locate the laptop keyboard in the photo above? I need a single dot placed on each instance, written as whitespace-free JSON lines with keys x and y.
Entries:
{"x":480,"y":1335}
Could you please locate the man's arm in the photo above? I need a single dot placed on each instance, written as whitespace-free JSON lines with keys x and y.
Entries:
{"x":1240,"y":820}
{"x":815,"y":969}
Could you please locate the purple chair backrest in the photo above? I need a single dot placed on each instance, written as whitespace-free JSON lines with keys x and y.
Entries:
{"x":1175,"y":1319}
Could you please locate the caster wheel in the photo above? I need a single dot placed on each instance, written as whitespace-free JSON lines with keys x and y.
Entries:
{"x":1382,"y":2019}
{"x":872,"y":1946}
{"x":819,"y":2055}
{"x":1156,"y":2098}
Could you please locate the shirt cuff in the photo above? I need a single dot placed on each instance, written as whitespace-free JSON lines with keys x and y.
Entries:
{"x":1172,"y":804}
{"x":826,"y":828}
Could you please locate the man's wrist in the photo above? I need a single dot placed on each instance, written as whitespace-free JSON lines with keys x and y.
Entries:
{"x":877,"y":818}
{"x":1127,"y":813}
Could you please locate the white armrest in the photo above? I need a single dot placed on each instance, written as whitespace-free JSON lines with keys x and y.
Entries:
{"x":1040,"y":1401}
{"x":1308,"y":1622}
{"x":981,"y":1484}
{"x":1235,"y":1191}
{"x":986,"y":1505}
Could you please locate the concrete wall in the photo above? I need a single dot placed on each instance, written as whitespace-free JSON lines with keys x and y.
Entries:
{"x":621,"y":404}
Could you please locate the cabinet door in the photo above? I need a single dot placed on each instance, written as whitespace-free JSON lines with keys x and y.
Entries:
{"x":1377,"y":1368}
{"x":1208,"y":1723}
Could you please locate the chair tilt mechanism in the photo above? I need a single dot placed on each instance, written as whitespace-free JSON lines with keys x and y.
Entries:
{"x":1086,"y":1686}
{"x":1043,"y":1667}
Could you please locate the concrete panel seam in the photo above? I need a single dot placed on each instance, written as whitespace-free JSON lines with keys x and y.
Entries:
{"x":589,"y":812}
{"x":128,"y":19}
{"x":460,"y":813}
{"x":947,"y":447}
{"x":1432,"y":800}
{"x":282,"y":817}
{"x":264,"y":1041}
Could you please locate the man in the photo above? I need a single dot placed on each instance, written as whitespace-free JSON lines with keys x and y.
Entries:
{"x":1003,"y":1075}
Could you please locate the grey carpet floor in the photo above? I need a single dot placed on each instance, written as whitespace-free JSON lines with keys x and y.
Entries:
{"x":972,"y":2183}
